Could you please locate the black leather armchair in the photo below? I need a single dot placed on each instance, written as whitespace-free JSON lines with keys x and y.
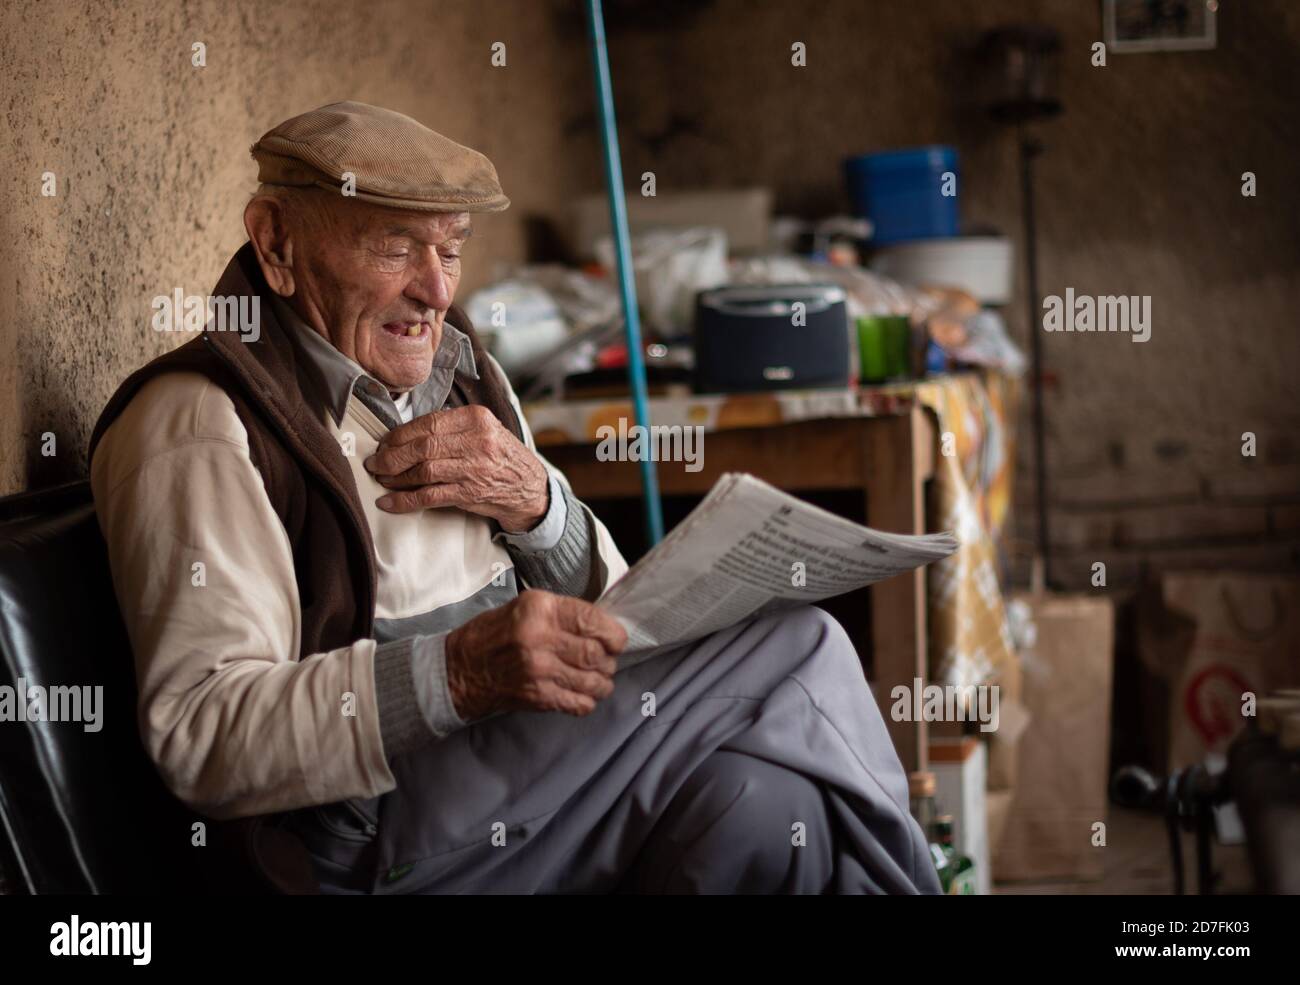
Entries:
{"x":81,"y":812}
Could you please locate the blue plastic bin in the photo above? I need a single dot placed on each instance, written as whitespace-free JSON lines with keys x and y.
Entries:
{"x":900,"y":191}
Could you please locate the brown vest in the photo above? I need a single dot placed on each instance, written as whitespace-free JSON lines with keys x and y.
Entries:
{"x":311,"y":489}
{"x":307,"y":477}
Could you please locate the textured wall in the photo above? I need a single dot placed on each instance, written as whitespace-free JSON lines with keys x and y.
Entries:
{"x":1138,"y":193}
{"x":152,"y":165}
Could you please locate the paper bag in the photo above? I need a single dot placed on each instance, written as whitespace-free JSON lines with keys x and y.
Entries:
{"x":1060,"y":793}
{"x":1004,"y":744}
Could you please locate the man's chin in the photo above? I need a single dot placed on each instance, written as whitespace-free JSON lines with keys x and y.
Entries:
{"x":402,"y":376}
{"x":402,"y":370}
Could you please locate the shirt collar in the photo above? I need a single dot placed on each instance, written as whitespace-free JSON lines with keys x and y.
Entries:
{"x":335,"y":375}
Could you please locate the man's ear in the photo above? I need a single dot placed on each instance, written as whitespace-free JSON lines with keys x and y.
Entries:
{"x":268,"y":231}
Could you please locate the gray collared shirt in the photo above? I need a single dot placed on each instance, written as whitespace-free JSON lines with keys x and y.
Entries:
{"x":336,"y":377}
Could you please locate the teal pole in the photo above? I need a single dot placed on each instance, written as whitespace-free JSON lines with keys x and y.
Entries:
{"x":654,"y":519}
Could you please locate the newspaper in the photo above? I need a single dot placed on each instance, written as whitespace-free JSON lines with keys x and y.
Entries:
{"x":749,"y":549}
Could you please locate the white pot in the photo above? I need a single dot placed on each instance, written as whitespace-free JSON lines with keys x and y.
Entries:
{"x":980,"y":265}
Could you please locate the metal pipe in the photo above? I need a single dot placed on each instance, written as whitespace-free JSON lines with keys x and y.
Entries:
{"x":654,"y":520}
{"x":1029,"y":149}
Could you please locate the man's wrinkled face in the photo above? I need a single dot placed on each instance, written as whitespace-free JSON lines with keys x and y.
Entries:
{"x":377,"y":283}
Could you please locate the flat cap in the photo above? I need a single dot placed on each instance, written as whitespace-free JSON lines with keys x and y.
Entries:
{"x":397,"y":161}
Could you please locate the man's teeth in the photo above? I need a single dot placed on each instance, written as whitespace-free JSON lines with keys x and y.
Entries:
{"x":415,"y":329}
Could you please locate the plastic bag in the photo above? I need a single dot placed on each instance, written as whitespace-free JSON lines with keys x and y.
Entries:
{"x":518,"y":321}
{"x":868,"y":293}
{"x":671,"y":266}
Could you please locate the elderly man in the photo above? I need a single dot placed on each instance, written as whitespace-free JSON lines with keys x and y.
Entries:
{"x":321,"y":533}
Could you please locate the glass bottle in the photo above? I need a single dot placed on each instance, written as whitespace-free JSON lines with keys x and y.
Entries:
{"x":961,"y":869}
{"x":921,"y":788}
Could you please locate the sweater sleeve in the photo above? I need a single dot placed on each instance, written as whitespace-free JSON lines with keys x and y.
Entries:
{"x":565,"y":565}
{"x":584,"y":561}
{"x":413,"y":694}
{"x":204,"y":577}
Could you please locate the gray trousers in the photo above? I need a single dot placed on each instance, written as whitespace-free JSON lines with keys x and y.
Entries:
{"x":753,"y":761}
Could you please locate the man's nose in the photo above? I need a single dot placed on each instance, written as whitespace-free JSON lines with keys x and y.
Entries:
{"x":429,"y":284}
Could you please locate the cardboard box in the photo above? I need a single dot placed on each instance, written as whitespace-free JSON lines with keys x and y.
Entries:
{"x":1242,"y":632}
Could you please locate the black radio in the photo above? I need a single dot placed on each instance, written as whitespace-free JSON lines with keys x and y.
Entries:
{"x":772,"y":337}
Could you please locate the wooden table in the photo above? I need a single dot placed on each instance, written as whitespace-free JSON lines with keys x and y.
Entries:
{"x":887,"y":458}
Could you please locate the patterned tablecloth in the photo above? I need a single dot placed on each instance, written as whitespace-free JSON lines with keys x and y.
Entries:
{"x":970,"y":642}
{"x":971,"y":492}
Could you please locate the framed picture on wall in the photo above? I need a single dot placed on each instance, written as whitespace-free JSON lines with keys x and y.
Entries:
{"x":1159,"y":25}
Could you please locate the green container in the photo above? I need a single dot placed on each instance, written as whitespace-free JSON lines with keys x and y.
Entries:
{"x":883,"y":345}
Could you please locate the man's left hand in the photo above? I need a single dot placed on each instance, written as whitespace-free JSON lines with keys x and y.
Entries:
{"x":465,"y":458}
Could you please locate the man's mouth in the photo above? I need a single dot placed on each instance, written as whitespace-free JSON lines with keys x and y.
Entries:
{"x":407,"y":329}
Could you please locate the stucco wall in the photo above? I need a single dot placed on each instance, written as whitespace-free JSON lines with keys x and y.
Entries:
{"x":151,"y":159}
{"x":1139,"y":189}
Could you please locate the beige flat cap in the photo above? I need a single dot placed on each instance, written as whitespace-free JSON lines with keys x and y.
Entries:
{"x":397,"y":161}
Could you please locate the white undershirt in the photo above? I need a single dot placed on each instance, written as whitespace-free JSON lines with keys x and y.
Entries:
{"x":403,"y":404}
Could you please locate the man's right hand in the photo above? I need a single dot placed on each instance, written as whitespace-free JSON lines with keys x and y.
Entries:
{"x":540,"y":651}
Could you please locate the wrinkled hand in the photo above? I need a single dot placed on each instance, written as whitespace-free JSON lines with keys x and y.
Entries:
{"x":466,"y":458}
{"x":539,"y":651}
